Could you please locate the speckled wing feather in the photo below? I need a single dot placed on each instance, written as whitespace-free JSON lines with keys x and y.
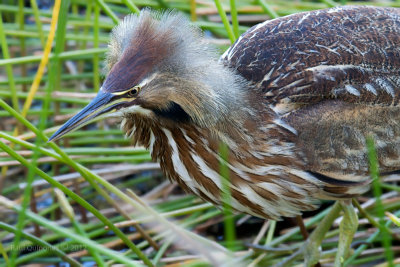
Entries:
{"x":333,"y":75}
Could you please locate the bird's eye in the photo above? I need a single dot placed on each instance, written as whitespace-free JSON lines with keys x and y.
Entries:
{"x":133,"y":92}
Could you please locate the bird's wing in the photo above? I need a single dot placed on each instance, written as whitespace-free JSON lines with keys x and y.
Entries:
{"x":333,"y":75}
{"x":347,"y":53}
{"x":332,"y":137}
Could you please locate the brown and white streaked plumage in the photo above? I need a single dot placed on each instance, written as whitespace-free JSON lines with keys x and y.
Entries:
{"x":294,"y":99}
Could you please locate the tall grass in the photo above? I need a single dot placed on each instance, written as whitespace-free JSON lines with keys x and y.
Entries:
{"x":113,"y":203}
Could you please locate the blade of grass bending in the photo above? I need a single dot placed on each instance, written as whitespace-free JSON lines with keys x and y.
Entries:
{"x":270,"y":236}
{"x":96,"y":230}
{"x":22,"y":44}
{"x":185,"y":223}
{"x":67,"y":233}
{"x":46,"y":52}
{"x":234,"y":16}
{"x":42,"y":243}
{"x":369,"y":217}
{"x":4,"y":253}
{"x":389,"y":187}
{"x":296,"y":230}
{"x":108,"y":11}
{"x":92,"y":178}
{"x":198,"y":243}
{"x":365,"y":214}
{"x":161,"y":251}
{"x":86,"y":173}
{"x":6,"y":56}
{"x":32,"y":92}
{"x":267,"y":9}
{"x":271,"y":232}
{"x":38,"y":22}
{"x":96,"y":31}
{"x":393,"y":218}
{"x":39,"y":74}
{"x":377,"y":190}
{"x":330,"y":3}
{"x":83,"y":44}
{"x":110,"y":200}
{"x":28,"y":33}
{"x":65,"y":55}
{"x":225,"y":21}
{"x":371,"y":239}
{"x":29,"y":79}
{"x":54,"y":72}
{"x":131,"y":6}
{"x":11,"y":83}
{"x":229,"y":222}
{"x":68,"y":210}
{"x":79,"y":200}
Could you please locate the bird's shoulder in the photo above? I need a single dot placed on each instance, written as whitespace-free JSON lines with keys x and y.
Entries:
{"x":346,"y":53}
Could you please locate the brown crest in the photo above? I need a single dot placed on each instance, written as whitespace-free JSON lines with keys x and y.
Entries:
{"x":147,"y":46}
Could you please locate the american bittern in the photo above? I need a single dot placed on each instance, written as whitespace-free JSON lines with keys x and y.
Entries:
{"x":294,"y":99}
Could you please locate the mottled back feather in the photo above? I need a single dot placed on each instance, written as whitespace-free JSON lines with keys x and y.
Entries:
{"x":333,"y":75}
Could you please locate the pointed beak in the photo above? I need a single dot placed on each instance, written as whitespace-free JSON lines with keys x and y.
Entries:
{"x":104,"y":103}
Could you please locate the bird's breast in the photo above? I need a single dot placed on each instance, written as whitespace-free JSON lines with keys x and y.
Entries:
{"x":262,"y":183}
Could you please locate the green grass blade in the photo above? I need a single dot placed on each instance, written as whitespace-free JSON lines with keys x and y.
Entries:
{"x":6,"y":56}
{"x":234,"y":16}
{"x":225,"y":20}
{"x":229,"y":222}
{"x":377,"y":190}
{"x":108,"y":11}
{"x":67,"y":233}
{"x":267,"y":9}
{"x":38,"y":22}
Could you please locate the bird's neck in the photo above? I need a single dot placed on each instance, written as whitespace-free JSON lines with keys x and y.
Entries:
{"x":189,"y":155}
{"x":228,"y":107}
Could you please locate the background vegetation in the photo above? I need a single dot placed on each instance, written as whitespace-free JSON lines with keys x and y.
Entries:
{"x":91,"y":198}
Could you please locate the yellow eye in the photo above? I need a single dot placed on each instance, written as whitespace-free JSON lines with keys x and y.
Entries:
{"x":133,"y":92}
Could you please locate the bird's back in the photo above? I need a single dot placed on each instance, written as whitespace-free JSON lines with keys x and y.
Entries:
{"x":332,"y":75}
{"x":307,"y":54}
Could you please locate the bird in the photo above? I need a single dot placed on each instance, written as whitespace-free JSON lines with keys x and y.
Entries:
{"x":294,"y":99}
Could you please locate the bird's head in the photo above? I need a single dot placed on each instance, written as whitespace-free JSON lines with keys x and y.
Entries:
{"x":159,"y":66}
